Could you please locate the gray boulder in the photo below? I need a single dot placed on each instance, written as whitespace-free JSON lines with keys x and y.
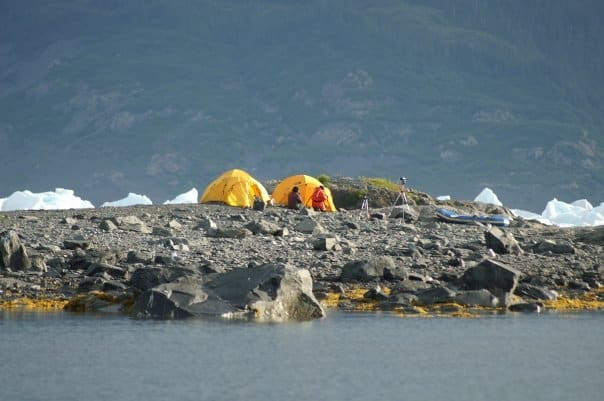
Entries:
{"x":13,"y":253}
{"x":500,"y":279}
{"x":206,"y":223}
{"x":549,"y":246}
{"x":271,"y":292}
{"x":308,"y":226}
{"x":263,"y":227}
{"x":107,"y":225}
{"x":274,"y":292}
{"x":435,"y":295}
{"x":146,"y":278}
{"x":405,"y":212}
{"x":481,"y":297}
{"x":131,"y":223}
{"x":396,"y":273}
{"x":176,"y":300}
{"x":75,"y":243}
{"x":502,"y":242}
{"x":324,"y":244}
{"x":367,"y":269}
{"x":230,"y":232}
{"x":535,"y":292}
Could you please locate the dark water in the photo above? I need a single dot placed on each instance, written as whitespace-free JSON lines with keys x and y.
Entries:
{"x":61,"y":356}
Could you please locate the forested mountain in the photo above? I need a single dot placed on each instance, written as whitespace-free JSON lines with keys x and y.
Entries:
{"x":158,"y":96}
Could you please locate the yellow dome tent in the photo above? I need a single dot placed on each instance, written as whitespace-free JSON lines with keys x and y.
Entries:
{"x":235,"y":188}
{"x":306,"y":185}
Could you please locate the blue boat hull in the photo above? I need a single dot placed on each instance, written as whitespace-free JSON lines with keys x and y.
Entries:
{"x":452,"y":217}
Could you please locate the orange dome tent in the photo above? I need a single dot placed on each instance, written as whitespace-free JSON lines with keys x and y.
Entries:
{"x":306,"y":185}
{"x":235,"y":188}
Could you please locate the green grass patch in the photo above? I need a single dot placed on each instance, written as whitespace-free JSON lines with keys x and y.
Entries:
{"x":381,"y":182}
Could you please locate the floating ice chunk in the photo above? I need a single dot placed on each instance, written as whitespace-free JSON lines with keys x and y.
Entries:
{"x":188,"y":197}
{"x":488,"y":196}
{"x":60,"y":199}
{"x":583,"y":204}
{"x":130,"y":200}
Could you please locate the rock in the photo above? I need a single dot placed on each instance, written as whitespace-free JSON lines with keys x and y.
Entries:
{"x":549,"y":246}
{"x":231,"y":232}
{"x":536,"y":307}
{"x":376,"y":294}
{"x":68,"y":220}
{"x":91,"y":284}
{"x":114,"y":286}
{"x":139,"y":257}
{"x":402,"y":299}
{"x":324,"y":244}
{"x":481,"y":297}
{"x":112,"y":271}
{"x":366,"y":270}
{"x":146,"y":278}
{"x":591,"y":235}
{"x":270,"y":292}
{"x":395,"y":273}
{"x":176,"y":244}
{"x":308,"y":212}
{"x":176,"y":300}
{"x":174,"y":225}
{"x":108,"y":225}
{"x":275,"y":292}
{"x":263,"y":227}
{"x":162,"y":232}
{"x":206,"y":224}
{"x":76,"y":243}
{"x":579,"y":285}
{"x":405,"y":212}
{"x":131,"y":223}
{"x":593,"y":278}
{"x":94,"y":301}
{"x":435,"y":295}
{"x":13,"y":253}
{"x":410,"y":286}
{"x":38,"y":263}
{"x":308,"y":226}
{"x":502,"y":242}
{"x":498,"y":278}
{"x":535,"y":292}
{"x":352,"y":225}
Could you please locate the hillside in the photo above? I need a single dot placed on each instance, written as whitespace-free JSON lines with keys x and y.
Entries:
{"x":156,"y":97}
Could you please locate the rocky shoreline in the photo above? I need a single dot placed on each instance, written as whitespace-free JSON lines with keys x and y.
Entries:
{"x":171,"y":261}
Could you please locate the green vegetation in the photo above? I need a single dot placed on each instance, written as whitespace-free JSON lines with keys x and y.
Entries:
{"x":381,"y":182}
{"x":324,"y":179}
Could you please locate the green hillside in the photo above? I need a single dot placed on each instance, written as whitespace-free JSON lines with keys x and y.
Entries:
{"x":156,"y":97}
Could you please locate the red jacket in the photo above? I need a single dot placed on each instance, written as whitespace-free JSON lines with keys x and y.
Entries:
{"x":318,"y":199}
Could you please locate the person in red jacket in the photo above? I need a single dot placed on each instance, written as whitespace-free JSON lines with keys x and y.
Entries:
{"x":318,"y":198}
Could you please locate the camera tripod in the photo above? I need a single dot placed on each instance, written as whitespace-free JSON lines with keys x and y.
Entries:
{"x":402,"y":197}
{"x":365,"y":207}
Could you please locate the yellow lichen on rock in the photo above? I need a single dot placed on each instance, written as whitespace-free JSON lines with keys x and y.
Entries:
{"x":331,"y":300}
{"x":33,"y":304}
{"x":593,"y":300}
{"x":355,"y":298}
{"x":91,"y":302}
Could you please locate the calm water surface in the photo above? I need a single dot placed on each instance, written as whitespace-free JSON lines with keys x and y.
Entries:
{"x":346,"y":356}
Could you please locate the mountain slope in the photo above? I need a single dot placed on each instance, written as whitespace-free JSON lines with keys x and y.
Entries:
{"x":157,"y":97}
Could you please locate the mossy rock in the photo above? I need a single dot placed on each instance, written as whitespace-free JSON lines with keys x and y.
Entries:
{"x":348,"y":193}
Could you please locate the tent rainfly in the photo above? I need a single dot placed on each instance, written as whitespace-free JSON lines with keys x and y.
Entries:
{"x":235,"y":188}
{"x":306,"y":185}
